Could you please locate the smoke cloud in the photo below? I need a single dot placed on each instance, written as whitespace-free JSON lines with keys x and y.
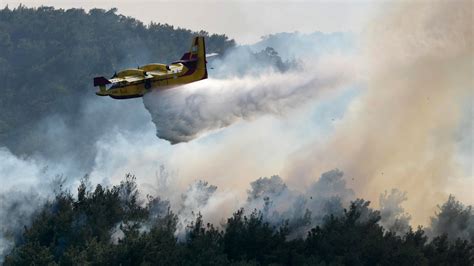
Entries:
{"x":393,"y":215}
{"x":401,"y":132}
{"x":16,"y":210}
{"x":26,"y":185}
{"x":328,"y":195}
{"x":454,"y":220}
{"x":193,"y":201}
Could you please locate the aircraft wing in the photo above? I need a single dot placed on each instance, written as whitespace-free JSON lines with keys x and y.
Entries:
{"x":102,"y":81}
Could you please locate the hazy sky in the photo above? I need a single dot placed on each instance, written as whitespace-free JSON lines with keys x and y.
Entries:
{"x":245,"y":21}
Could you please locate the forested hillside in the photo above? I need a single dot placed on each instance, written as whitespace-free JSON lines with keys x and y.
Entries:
{"x":109,"y":226}
{"x":49,"y":56}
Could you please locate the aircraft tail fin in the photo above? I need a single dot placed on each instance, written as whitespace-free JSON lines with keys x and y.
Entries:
{"x":197,"y":52}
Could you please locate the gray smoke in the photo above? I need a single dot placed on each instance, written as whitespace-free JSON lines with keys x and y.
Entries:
{"x":18,"y":205}
{"x":453,"y":219}
{"x":193,"y":201}
{"x":81,"y":140}
{"x":16,"y":211}
{"x":394,"y":217}
{"x":328,"y":195}
{"x":314,"y":45}
{"x":158,"y":208}
{"x":110,"y":135}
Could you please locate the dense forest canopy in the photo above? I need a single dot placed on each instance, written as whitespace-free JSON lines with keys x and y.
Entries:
{"x":110,"y":226}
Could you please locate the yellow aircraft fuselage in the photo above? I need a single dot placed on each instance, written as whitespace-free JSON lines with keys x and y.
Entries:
{"x":132,"y":83}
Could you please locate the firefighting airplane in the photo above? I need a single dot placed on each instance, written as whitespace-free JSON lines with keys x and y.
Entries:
{"x":133,"y":83}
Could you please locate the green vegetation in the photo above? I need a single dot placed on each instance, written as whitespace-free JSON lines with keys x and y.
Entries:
{"x":83,"y":230}
{"x":49,"y":56}
{"x":47,"y":60}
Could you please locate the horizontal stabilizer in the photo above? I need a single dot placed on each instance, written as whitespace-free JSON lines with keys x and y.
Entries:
{"x":101,"y":81}
{"x":211,"y":55}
